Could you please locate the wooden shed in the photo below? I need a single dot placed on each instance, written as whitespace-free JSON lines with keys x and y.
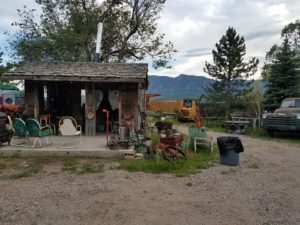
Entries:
{"x":84,"y":90}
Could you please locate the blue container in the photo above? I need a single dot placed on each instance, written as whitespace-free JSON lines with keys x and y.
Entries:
{"x":230,"y":159}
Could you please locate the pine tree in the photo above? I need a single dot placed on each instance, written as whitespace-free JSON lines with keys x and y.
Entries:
{"x":282,"y":75}
{"x":230,"y":69}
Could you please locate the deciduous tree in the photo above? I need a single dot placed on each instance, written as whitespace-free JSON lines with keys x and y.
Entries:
{"x":66,"y":31}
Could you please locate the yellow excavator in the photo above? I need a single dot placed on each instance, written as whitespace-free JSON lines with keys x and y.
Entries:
{"x":188,"y":110}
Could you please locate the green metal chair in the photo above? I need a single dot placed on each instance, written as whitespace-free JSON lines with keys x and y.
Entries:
{"x":19,"y":129}
{"x":35,"y":130}
{"x":198,"y":136}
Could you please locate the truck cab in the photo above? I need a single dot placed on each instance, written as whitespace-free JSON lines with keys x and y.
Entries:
{"x":286,"y":118}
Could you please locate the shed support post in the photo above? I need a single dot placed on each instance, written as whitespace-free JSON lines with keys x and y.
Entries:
{"x":36,"y":102}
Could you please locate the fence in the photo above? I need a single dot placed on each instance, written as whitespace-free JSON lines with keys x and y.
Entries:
{"x":164,"y":106}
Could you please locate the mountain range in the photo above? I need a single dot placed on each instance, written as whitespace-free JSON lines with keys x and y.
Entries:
{"x":186,"y":86}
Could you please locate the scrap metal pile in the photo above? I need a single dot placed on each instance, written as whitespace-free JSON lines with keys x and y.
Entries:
{"x":160,"y":139}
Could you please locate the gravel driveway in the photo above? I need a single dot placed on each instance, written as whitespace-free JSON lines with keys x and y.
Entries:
{"x":264,"y":189}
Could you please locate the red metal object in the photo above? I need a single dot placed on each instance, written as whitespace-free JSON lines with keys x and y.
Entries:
{"x":161,"y":145}
{"x":174,"y":140}
{"x":198,"y":121}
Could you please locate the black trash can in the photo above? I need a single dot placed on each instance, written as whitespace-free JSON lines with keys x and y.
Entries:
{"x":229,"y":148}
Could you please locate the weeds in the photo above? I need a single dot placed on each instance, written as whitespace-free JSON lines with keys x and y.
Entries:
{"x":292,"y":138}
{"x":73,"y":164}
{"x":15,"y":168}
{"x":28,"y":172}
{"x":180,"y":168}
{"x":91,"y":168}
{"x":229,"y":171}
{"x":253,"y":165}
{"x":70,"y":164}
{"x":2,"y":166}
{"x":189,"y":184}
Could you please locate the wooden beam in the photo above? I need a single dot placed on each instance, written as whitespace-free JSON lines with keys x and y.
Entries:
{"x":75,"y":79}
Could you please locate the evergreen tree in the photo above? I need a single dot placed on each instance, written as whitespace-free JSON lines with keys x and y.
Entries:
{"x":215,"y":92}
{"x":282,"y":75}
{"x":230,"y":69}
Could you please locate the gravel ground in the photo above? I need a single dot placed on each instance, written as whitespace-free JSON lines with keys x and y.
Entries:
{"x":264,"y":189}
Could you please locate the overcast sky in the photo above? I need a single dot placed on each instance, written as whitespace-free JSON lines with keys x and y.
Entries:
{"x":194,"y":26}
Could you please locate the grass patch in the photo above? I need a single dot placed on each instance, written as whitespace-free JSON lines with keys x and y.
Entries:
{"x":82,"y":166}
{"x":229,"y":171}
{"x":286,"y":137}
{"x":91,"y":168}
{"x":253,"y":165}
{"x":2,"y":166}
{"x":258,"y":133}
{"x":189,"y":184}
{"x":70,"y":164}
{"x":15,"y":168}
{"x":28,"y":172}
{"x":196,"y":161}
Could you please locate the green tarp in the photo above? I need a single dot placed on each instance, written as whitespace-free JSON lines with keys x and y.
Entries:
{"x":7,"y":86}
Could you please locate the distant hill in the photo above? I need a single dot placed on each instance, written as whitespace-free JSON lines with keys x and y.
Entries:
{"x":186,"y":86}
{"x":179,"y":87}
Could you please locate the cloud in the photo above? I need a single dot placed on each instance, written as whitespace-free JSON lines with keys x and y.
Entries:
{"x":195,"y":26}
{"x":261,"y":34}
{"x":198,"y":52}
{"x":8,"y":15}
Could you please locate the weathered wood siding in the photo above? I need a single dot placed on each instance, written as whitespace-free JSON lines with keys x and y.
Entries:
{"x":129,"y":110}
{"x":31,"y":99}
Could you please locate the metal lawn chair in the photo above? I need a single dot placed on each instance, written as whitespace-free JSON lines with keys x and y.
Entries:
{"x":68,"y":127}
{"x":19,"y":130}
{"x":37,"y":132}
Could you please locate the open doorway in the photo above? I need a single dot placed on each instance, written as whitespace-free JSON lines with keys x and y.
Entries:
{"x":107,"y":100}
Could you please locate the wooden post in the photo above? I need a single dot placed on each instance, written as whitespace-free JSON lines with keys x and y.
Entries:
{"x":31,"y":99}
{"x":129,"y":105}
{"x":141,"y":104}
{"x":90,"y":109}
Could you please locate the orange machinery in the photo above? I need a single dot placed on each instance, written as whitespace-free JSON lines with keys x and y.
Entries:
{"x":189,"y":110}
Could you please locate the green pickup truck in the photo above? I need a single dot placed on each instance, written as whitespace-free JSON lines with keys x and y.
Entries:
{"x":286,"y":118}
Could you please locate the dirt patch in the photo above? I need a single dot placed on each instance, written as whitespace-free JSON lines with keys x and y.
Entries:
{"x":263,"y":189}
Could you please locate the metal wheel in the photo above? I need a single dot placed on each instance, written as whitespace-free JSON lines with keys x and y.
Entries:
{"x":112,"y":143}
{"x":172,"y":153}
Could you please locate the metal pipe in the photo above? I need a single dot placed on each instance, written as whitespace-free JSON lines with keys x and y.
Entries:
{"x":98,"y":41}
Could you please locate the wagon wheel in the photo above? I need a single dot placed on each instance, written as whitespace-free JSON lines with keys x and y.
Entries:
{"x":172,"y":153}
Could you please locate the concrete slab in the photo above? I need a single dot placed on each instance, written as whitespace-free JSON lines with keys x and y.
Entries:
{"x":63,"y":146}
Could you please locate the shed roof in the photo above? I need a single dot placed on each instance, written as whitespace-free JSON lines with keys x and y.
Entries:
{"x":79,"y":71}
